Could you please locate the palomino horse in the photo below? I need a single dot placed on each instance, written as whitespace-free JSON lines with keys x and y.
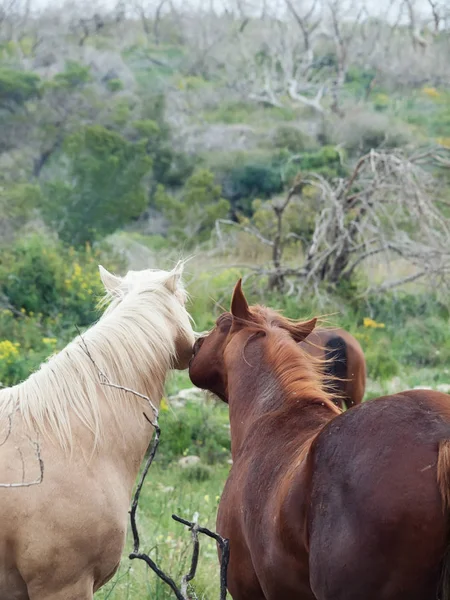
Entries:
{"x":320,"y":503}
{"x":62,"y":539}
{"x":344,"y":364}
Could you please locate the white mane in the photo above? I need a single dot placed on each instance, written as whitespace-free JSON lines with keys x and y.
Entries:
{"x":133,"y":343}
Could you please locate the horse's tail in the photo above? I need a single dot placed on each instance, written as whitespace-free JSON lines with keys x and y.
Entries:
{"x":443,"y":479}
{"x":336,"y":366}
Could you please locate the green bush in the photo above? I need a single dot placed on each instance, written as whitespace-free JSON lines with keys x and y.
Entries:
{"x":32,"y":275}
{"x":381,"y":361}
{"x":292,"y":139}
{"x":73,"y":76}
{"x":17,"y":87}
{"x":193,"y":214}
{"x":114,"y":85}
{"x":358,"y":79}
{"x":327,"y":162}
{"x":242,"y":183}
{"x":197,"y":472}
{"x":42,"y":276}
{"x":46,"y":291}
{"x":199,"y":429}
{"x":100,"y":187}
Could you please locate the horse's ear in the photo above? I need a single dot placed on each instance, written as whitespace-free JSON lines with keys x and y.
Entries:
{"x":110,"y":281}
{"x":300,"y":331}
{"x":174,"y":278}
{"x":239,"y":304}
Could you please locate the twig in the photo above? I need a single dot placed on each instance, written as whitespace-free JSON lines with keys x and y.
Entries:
{"x":41,"y":470}
{"x":224,"y":545}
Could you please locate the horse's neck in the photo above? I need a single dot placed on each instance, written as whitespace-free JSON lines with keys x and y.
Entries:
{"x":261,"y":393}
{"x":125,"y":436}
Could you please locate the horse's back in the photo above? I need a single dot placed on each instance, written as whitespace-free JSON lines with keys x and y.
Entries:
{"x":376,"y":517}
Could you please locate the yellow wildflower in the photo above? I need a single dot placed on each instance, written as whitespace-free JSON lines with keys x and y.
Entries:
{"x":444,"y":141}
{"x":8,"y":351}
{"x":49,"y":341}
{"x":368,"y":322}
{"x":431,"y":92}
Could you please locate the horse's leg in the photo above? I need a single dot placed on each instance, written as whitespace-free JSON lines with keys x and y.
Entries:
{"x":82,"y":590}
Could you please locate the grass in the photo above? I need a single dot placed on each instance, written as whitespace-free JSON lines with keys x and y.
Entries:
{"x":168,"y":491}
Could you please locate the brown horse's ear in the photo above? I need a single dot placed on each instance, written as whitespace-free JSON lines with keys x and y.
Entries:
{"x":239,"y":304}
{"x":300,"y":331}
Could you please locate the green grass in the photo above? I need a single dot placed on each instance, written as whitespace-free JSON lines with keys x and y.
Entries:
{"x":168,"y":491}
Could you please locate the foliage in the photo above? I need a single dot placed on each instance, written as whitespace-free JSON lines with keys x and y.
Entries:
{"x":298,"y":222}
{"x":199,"y":429}
{"x":17,"y":201}
{"x":46,"y":290}
{"x":73,"y":76}
{"x":193,"y":214}
{"x":361,"y":130}
{"x":359,"y":79}
{"x":292,"y":139}
{"x":114,"y":85}
{"x":244,"y":182}
{"x":17,"y":87}
{"x":327,"y":161}
{"x":101,"y":187}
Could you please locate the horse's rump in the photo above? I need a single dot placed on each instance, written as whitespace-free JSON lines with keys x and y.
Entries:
{"x":382,"y":471}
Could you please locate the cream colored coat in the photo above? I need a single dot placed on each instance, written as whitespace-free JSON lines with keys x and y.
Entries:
{"x":62,"y":539}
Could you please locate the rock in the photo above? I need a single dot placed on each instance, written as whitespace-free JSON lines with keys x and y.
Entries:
{"x":188,"y":461}
{"x":188,"y":395}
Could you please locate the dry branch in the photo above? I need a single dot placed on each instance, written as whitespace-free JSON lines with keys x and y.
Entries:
{"x":388,"y":206}
{"x":23,"y":483}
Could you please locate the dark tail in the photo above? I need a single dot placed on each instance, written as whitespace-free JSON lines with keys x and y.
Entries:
{"x":336,"y":368}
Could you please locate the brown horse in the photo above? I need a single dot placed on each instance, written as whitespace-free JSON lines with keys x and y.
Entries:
{"x":344,"y":364}
{"x":319,"y":503}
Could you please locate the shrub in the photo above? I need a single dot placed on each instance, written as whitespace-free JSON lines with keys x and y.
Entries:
{"x":101,"y":189}
{"x":40,"y":275}
{"x":17,"y":87}
{"x":197,"y":472}
{"x":244,"y":182}
{"x":380,"y":359}
{"x":360,"y":131}
{"x":193,"y":214}
{"x":74,"y":75}
{"x":197,"y":428}
{"x":292,"y":139}
{"x":358,"y":79}
{"x":114,"y":85}
{"x":51,"y":289}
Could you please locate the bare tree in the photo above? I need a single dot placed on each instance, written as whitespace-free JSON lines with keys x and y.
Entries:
{"x":389,"y":207}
